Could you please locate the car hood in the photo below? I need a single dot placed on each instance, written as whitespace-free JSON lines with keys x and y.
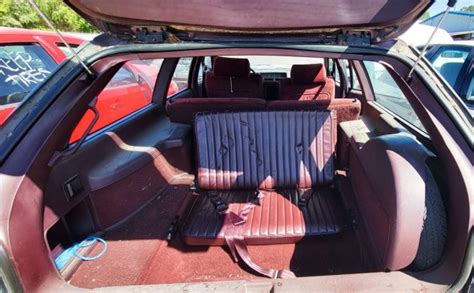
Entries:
{"x":315,"y":21}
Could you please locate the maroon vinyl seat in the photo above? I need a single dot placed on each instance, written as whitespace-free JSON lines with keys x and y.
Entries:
{"x":344,"y":109}
{"x":231,"y":77}
{"x":184,"y":110}
{"x":273,"y":167}
{"x":279,"y":217}
{"x":307,"y":82}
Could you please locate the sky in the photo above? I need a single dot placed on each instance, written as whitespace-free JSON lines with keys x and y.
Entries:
{"x":440,"y":6}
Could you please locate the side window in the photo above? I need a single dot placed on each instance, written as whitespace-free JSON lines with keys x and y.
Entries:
{"x":205,"y":66}
{"x":128,"y":91}
{"x":334,"y":71}
{"x":355,"y":80}
{"x":449,"y":61}
{"x":351,"y":75}
{"x":65,"y":49}
{"x":180,"y":78}
{"x":22,"y":68}
{"x":388,"y":94}
{"x":470,"y":90}
{"x":123,"y":77}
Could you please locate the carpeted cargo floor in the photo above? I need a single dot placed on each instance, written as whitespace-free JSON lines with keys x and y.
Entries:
{"x":138,"y":252}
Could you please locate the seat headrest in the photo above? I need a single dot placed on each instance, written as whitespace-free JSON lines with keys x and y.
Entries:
{"x":308,"y":73}
{"x":231,"y":67}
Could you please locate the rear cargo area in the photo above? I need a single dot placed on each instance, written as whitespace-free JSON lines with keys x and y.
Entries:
{"x":230,"y":188}
{"x":139,"y":252}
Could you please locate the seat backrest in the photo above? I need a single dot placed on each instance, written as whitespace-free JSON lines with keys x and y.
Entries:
{"x":265,"y":150}
{"x":183,"y":110}
{"x":307,"y":82}
{"x":231,"y":77}
{"x":344,"y":109}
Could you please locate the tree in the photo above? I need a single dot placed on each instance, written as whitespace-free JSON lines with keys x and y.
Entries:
{"x":468,"y":8}
{"x":19,"y":13}
{"x":425,"y":15}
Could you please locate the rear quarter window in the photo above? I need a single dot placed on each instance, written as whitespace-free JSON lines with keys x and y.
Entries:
{"x":389,"y":96}
{"x":129,"y":90}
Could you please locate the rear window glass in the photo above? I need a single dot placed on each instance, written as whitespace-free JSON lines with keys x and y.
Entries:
{"x":22,"y":68}
{"x":449,"y":63}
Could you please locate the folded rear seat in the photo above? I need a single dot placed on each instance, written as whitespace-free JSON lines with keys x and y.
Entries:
{"x":183,"y":110}
{"x":261,"y":180}
{"x":345,"y":109}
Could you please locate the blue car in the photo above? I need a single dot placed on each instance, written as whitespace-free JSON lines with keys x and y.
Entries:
{"x":455,"y":62}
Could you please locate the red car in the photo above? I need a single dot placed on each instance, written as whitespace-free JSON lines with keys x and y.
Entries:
{"x":27,"y":57}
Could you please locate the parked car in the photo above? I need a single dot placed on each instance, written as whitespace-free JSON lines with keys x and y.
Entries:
{"x":455,"y":62}
{"x":27,"y":57}
{"x":298,"y":154}
{"x":419,"y":34}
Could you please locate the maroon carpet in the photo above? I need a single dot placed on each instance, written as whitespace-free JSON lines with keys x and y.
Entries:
{"x":139,"y":254}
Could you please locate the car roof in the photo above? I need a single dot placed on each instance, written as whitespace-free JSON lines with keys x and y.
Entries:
{"x":17,"y":32}
{"x":469,"y":43}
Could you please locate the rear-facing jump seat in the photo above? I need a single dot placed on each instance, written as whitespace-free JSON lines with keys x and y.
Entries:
{"x":263,"y":178}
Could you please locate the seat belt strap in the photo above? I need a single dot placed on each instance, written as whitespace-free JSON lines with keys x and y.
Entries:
{"x":238,"y":247}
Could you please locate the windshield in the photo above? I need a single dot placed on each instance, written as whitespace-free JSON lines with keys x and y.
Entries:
{"x":262,"y":64}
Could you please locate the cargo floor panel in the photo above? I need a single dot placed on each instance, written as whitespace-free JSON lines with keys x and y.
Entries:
{"x":138,"y":252}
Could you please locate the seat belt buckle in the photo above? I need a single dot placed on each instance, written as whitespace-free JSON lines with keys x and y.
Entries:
{"x":303,"y":197}
{"x":221,"y":207}
{"x":194,"y":188}
{"x":172,"y":229}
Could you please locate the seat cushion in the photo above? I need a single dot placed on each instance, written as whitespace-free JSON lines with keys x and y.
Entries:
{"x":265,"y":150}
{"x":345,"y":109}
{"x":278,"y":217}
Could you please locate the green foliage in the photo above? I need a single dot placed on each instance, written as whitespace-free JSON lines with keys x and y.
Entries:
{"x":468,"y":8}
{"x":19,"y":13}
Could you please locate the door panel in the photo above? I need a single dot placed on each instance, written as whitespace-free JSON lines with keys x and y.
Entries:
{"x":119,"y":171}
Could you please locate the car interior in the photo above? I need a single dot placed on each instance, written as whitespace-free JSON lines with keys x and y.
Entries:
{"x":258,"y":167}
